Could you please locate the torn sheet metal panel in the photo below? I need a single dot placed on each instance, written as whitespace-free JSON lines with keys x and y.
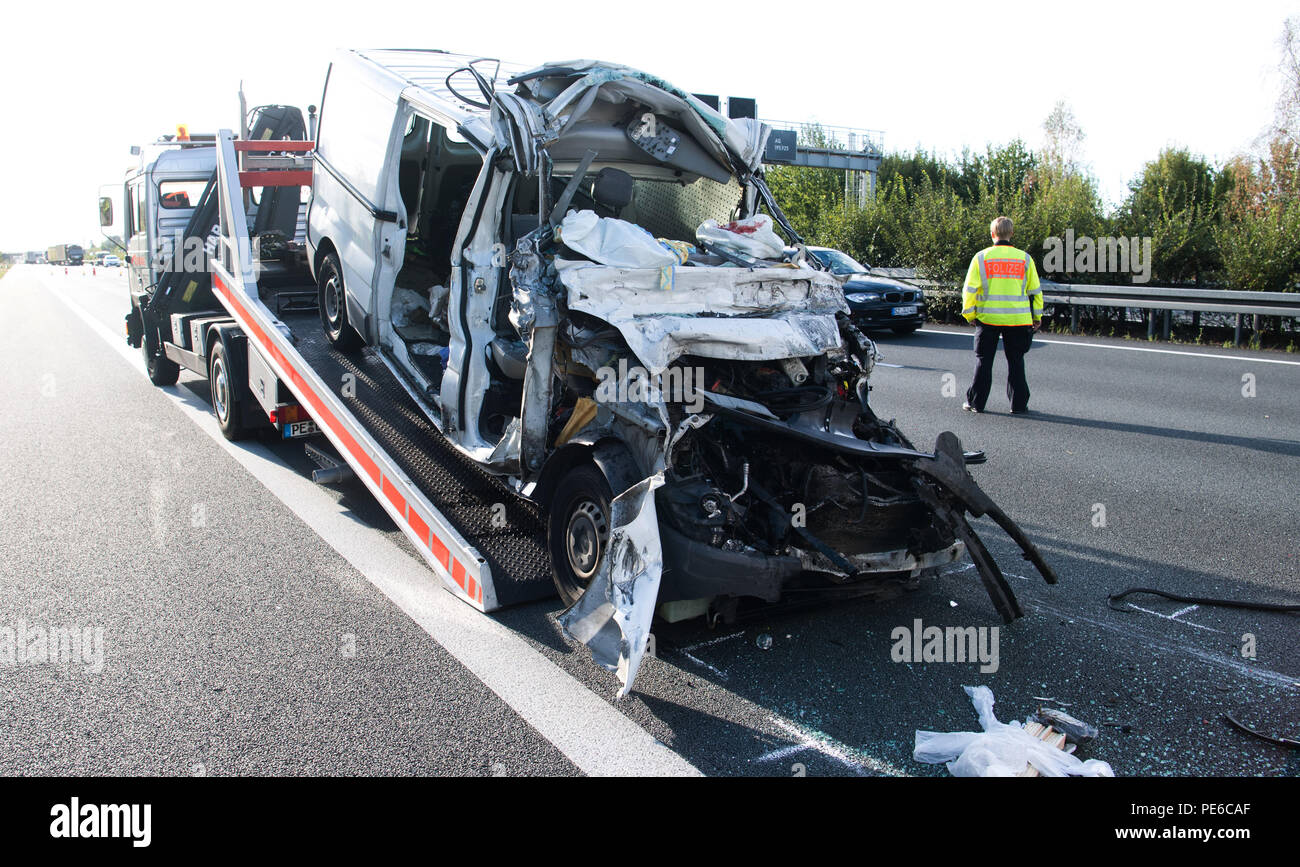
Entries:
{"x":613,"y":617}
{"x":658,"y":341}
{"x":901,"y":560}
{"x":613,"y":292}
{"x":618,"y":84}
{"x":712,"y":312}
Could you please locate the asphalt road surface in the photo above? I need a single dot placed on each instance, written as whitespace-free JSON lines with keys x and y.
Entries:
{"x":239,"y":620}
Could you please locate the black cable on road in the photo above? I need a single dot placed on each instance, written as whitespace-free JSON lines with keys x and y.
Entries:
{"x":1199,"y":600}
{"x":1245,"y":729}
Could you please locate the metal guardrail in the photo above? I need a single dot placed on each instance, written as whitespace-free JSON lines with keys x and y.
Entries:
{"x":1078,"y":296}
{"x":1236,"y":304}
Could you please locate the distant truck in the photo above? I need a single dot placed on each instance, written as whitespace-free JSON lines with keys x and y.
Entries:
{"x":65,"y":254}
{"x":31,"y":257}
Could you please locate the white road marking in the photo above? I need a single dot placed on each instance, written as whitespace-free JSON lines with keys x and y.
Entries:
{"x":1173,"y":617}
{"x":1181,"y":611}
{"x":1037,"y":339}
{"x":695,"y":659}
{"x":713,"y":641}
{"x":592,"y":734}
{"x":855,"y":760}
{"x":1253,"y":672}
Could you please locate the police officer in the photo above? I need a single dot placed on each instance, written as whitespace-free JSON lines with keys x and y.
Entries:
{"x":1003,"y":299}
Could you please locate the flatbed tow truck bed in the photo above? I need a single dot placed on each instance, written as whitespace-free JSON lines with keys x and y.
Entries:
{"x":507,"y":531}
{"x":485,"y":543}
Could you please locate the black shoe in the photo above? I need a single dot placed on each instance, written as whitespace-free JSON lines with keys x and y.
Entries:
{"x":1024,"y":411}
{"x":966,"y":406}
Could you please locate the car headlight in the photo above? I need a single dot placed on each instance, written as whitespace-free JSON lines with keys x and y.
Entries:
{"x":863,"y":297}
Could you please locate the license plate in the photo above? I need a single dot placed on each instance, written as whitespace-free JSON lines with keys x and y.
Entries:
{"x":294,"y":430}
{"x":909,"y":310}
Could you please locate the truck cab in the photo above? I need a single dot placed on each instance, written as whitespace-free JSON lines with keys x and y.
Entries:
{"x":171,"y":221}
{"x":158,"y":199}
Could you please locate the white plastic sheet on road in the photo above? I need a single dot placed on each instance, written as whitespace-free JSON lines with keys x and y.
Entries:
{"x":1001,"y":749}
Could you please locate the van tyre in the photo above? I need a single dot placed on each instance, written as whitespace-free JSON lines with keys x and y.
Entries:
{"x":226,"y":405}
{"x":577,"y":532}
{"x":333,"y":303}
{"x":162,"y":370}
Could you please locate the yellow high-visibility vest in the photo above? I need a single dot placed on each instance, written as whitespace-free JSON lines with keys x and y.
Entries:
{"x":1002,"y":288}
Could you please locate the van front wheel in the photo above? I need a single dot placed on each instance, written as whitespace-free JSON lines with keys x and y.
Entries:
{"x":334,"y":306}
{"x":578,"y":529}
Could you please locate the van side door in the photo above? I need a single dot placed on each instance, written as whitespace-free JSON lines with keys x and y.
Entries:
{"x":350,"y":184}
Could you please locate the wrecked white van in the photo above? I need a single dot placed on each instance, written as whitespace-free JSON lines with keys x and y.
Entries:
{"x":575,"y":271}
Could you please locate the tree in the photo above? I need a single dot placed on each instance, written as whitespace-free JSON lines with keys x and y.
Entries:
{"x":1261,"y":252}
{"x":1063,"y":144}
{"x":911,"y":169}
{"x":1287,"y":124}
{"x":1173,"y":202}
{"x":1010,"y":171}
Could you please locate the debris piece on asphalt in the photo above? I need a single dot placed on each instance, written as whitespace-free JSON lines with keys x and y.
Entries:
{"x":1076,"y":731}
{"x":1003,"y":749}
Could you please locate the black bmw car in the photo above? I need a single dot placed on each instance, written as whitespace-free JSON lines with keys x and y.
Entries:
{"x":875,"y":302}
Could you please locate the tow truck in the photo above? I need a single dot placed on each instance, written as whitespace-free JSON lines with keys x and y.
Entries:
{"x":501,"y":463}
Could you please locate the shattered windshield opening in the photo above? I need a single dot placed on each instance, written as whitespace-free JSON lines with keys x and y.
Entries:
{"x":667,"y":208}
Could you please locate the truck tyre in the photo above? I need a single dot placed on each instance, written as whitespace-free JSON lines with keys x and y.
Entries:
{"x":577,"y":531}
{"x":334,"y":306}
{"x":225,"y":401}
{"x":161,"y":369}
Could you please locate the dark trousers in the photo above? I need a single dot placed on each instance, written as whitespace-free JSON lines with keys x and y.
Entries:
{"x":1015,"y":343}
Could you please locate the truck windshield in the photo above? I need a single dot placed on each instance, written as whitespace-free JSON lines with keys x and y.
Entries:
{"x":180,"y":194}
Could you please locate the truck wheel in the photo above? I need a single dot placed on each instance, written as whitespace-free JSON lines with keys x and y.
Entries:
{"x":334,"y":306}
{"x":578,"y":529}
{"x":161,"y":369}
{"x":225,"y":403}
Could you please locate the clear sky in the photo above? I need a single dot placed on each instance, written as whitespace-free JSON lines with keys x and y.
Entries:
{"x":82,"y":83}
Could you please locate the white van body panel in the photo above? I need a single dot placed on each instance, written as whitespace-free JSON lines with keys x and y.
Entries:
{"x":355,"y":181}
{"x":351,"y":180}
